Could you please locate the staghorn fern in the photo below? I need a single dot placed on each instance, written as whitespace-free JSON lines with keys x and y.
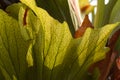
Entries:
{"x":34,"y":45}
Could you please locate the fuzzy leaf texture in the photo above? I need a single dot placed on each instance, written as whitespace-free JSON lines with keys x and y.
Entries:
{"x":35,"y":46}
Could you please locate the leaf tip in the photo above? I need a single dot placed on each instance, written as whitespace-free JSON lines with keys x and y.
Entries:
{"x":86,"y":23}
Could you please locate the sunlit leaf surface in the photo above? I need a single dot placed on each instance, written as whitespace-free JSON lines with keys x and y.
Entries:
{"x":35,"y":46}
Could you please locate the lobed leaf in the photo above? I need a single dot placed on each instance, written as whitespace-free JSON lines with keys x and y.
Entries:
{"x":38,"y":47}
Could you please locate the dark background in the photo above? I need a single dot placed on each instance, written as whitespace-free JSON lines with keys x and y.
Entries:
{"x":5,"y":3}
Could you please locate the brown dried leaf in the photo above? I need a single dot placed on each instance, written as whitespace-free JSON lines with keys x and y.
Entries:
{"x":115,"y":71}
{"x":84,"y":8}
{"x":25,"y":16}
{"x":106,"y":64}
{"x":86,"y":23}
{"x":114,"y":39}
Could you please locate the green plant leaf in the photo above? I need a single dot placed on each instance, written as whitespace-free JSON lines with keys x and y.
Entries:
{"x":115,"y":13}
{"x":59,"y":9}
{"x":13,"y":10}
{"x":31,"y":29}
{"x":86,"y":47}
{"x":108,"y":10}
{"x":104,"y":12}
{"x":13,"y":48}
{"x":99,"y":18}
{"x":39,"y":47}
